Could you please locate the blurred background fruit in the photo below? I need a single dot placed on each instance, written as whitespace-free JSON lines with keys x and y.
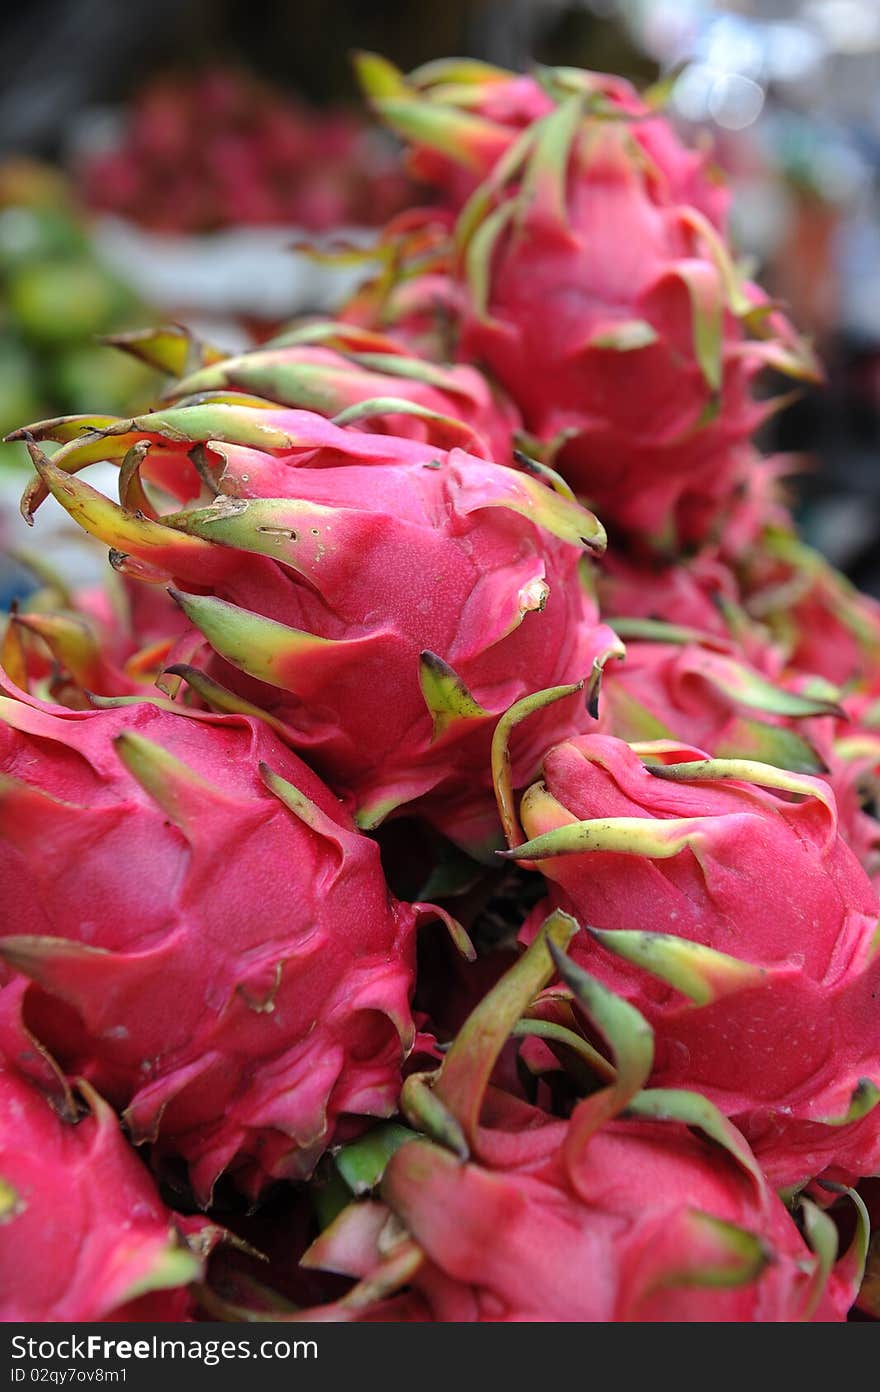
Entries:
{"x":56,"y":300}
{"x":219,"y":148}
{"x":205,"y":144}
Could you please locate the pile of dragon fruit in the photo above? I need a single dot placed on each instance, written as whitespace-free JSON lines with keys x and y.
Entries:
{"x":202,"y":151}
{"x":440,"y":865}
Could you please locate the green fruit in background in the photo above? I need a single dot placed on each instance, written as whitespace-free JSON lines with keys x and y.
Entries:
{"x":15,"y":456}
{"x":125,"y":384}
{"x":60,"y":302}
{"x":56,"y":299}
{"x":21,"y":399}
{"x":37,"y":234}
{"x":30,"y":183}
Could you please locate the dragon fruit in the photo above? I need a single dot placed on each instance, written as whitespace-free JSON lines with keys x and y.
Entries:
{"x":724,"y":885}
{"x":779,"y":603}
{"x":347,"y":374}
{"x":484,"y":109}
{"x":680,"y":684}
{"x":759,"y":584}
{"x":112,"y":639}
{"x":854,"y":775}
{"x":412,"y":298}
{"x":700,"y":593}
{"x":83,"y":1232}
{"x":385,"y":600}
{"x":210,"y":942}
{"x":643,"y":1205}
{"x":586,"y":238}
{"x":201,"y":151}
{"x":676,"y":686}
{"x":822,"y":623}
{"x":852,"y":753}
{"x":461,"y":118}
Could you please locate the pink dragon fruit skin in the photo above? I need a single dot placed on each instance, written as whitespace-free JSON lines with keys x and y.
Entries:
{"x":341,"y":371}
{"x":220,"y":954}
{"x":483,"y":110}
{"x":108,"y":640}
{"x":673,"y":686}
{"x":507,"y":103}
{"x":787,"y":614}
{"x":647,"y":372}
{"x":852,"y":753}
{"x":695,"y":594}
{"x":84,"y":1234}
{"x":759,"y":584}
{"x":854,"y":766}
{"x":387,"y":601}
{"x":600,"y":246}
{"x":671,"y":690}
{"x":822,"y":623}
{"x":778,"y":1023}
{"x":414,"y":300}
{"x":331,"y":369}
{"x":509,"y":1215}
{"x":541,"y":1245}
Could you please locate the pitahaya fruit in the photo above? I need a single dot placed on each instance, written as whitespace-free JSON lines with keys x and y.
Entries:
{"x":676,"y":686}
{"x":584,"y":238}
{"x":84,"y":1234}
{"x":210,"y":941}
{"x":347,"y":374}
{"x":460,"y":118}
{"x":482,"y":110}
{"x":642,"y":1206}
{"x":854,"y":775}
{"x":700,"y":593}
{"x":765,"y":590}
{"x":722,"y":901}
{"x":112,"y":639}
{"x":217,"y":149}
{"x":412,"y":297}
{"x":852,"y":753}
{"x":385,"y":600}
{"x":823,"y":624}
